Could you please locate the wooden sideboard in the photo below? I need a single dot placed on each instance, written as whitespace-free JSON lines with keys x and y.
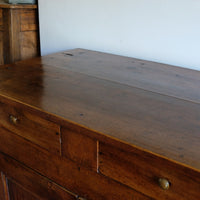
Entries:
{"x":87,"y":125}
{"x":19,"y":36}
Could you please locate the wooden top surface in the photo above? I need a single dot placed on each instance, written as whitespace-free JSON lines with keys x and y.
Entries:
{"x":17,"y":6}
{"x":153,"y":106}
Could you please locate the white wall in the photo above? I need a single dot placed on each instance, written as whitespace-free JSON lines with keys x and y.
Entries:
{"x":166,"y":31}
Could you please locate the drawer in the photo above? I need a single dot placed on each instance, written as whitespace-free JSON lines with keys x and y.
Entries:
{"x":23,"y":183}
{"x":149,"y":174}
{"x":24,"y":122}
{"x":64,"y":172}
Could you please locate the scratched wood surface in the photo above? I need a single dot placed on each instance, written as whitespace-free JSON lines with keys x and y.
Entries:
{"x":159,"y":113}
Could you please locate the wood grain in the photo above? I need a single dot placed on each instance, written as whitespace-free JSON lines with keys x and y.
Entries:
{"x":17,"y":6}
{"x":142,"y":171}
{"x":76,"y":178}
{"x":157,"y":77}
{"x":119,"y":134}
{"x":29,"y":21}
{"x":7,"y":36}
{"x":79,"y":148}
{"x":15,"y":36}
{"x":17,"y":193}
{"x":1,"y":49}
{"x":31,"y":126}
{"x":1,"y":188}
{"x":161,"y":124}
{"x":20,"y":37}
{"x":25,"y":184}
{"x":29,"y":44}
{"x":1,"y":37}
{"x":1,"y":18}
{"x":4,"y":193}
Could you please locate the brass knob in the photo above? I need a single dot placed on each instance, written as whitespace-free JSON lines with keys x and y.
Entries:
{"x":13,"y":119}
{"x":164,"y":183}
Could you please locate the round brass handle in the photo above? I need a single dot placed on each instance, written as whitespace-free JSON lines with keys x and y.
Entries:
{"x":14,"y":120}
{"x":164,"y":183}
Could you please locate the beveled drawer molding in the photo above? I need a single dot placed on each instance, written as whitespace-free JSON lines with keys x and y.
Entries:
{"x":22,"y":180}
{"x":156,"y":177}
{"x":69,"y":174}
{"x":24,"y":122}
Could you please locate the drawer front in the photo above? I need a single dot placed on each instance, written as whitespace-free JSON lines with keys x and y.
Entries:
{"x":24,"y":122}
{"x":80,"y":180}
{"x":22,"y":183}
{"x":149,"y":174}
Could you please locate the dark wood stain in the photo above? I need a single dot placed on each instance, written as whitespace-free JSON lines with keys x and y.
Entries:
{"x":78,"y":179}
{"x":99,"y":126}
{"x":162,"y":124}
{"x":25,"y":184}
{"x":19,"y":37}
